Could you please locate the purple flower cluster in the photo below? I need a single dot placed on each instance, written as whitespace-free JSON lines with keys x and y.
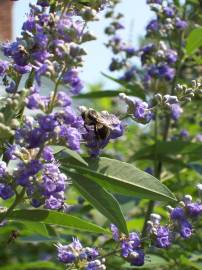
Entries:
{"x":168,"y":19}
{"x":130,"y":245}
{"x":122,"y":50}
{"x":38,"y":51}
{"x":180,"y":223}
{"x":160,"y":236}
{"x":50,"y":45}
{"x":137,"y":109}
{"x":80,"y":257}
{"x":158,"y":61}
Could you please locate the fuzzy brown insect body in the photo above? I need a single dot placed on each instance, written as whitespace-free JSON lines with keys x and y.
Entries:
{"x":99,"y":121}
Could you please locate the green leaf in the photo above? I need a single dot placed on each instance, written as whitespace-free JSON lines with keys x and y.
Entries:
{"x":99,"y":94}
{"x":55,"y":218}
{"x":136,"y":89}
{"x":174,"y":148}
{"x":74,"y":155}
{"x":64,"y":152}
{"x":194,"y":40}
{"x":123,"y":178}
{"x":32,"y":266}
{"x":101,"y":199}
{"x":37,"y":228}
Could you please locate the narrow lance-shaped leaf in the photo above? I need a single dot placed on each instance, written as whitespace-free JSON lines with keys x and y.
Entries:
{"x":55,"y":218}
{"x":101,"y":199}
{"x":123,"y":178}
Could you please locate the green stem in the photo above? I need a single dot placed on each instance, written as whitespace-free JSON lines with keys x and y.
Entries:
{"x":19,"y":197}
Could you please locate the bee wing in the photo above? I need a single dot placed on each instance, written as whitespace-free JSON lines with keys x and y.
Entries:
{"x":109,"y":120}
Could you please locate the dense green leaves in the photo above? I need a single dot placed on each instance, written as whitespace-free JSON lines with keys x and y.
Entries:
{"x":194,"y":40}
{"x":163,"y":149}
{"x":55,"y":218}
{"x":32,"y":266}
{"x":123,"y":178}
{"x":101,"y":200}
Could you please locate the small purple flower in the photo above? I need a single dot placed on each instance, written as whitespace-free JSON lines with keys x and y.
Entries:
{"x":115,"y":232}
{"x":11,"y":87}
{"x":65,"y":254}
{"x":198,"y":138}
{"x":184,"y":133}
{"x":63,"y":99}
{"x":171,"y":56}
{"x":3,"y":168}
{"x":47,"y":122}
{"x":177,"y":213}
{"x":34,"y":101}
{"x":176,"y":111}
{"x":71,"y":77}
{"x":30,"y":24}
{"x":6,"y":191}
{"x":153,"y":26}
{"x":48,"y":154}
{"x":194,"y":209}
{"x":181,"y":24}
{"x":22,"y":69}
{"x":10,"y":152}
{"x":53,"y":203}
{"x":163,"y":237}
{"x":3,"y":67}
{"x":166,"y":71}
{"x":186,"y":229}
{"x":169,"y":11}
{"x":136,"y":257}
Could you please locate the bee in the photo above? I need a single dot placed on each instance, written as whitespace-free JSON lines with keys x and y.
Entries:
{"x":103,"y":122}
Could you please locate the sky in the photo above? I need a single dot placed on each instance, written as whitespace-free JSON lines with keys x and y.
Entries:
{"x":137,"y":14}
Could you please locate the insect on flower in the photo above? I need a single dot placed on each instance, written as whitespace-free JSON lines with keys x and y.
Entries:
{"x":103,"y":122}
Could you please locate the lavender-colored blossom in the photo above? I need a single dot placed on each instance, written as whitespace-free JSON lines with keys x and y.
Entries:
{"x":169,"y":11}
{"x":63,"y":99}
{"x":176,"y":111}
{"x":6,"y":191}
{"x":137,"y":257}
{"x":194,"y":209}
{"x":153,"y":26}
{"x":71,"y":78}
{"x":171,"y":56}
{"x":65,"y":254}
{"x":184,"y":133}
{"x":47,"y":122}
{"x":177,"y":213}
{"x":115,"y":232}
{"x":30,"y":24}
{"x":163,"y":237}
{"x":22,"y":69}
{"x":198,"y":138}
{"x":11,"y":87}
{"x":48,"y":154}
{"x":180,"y":24}
{"x":186,"y":229}
{"x":3,"y":168}
{"x":53,"y":203}
{"x":166,"y":72}
{"x":3,"y":67}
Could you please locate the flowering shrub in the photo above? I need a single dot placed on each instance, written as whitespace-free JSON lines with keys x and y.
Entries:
{"x":66,"y":170}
